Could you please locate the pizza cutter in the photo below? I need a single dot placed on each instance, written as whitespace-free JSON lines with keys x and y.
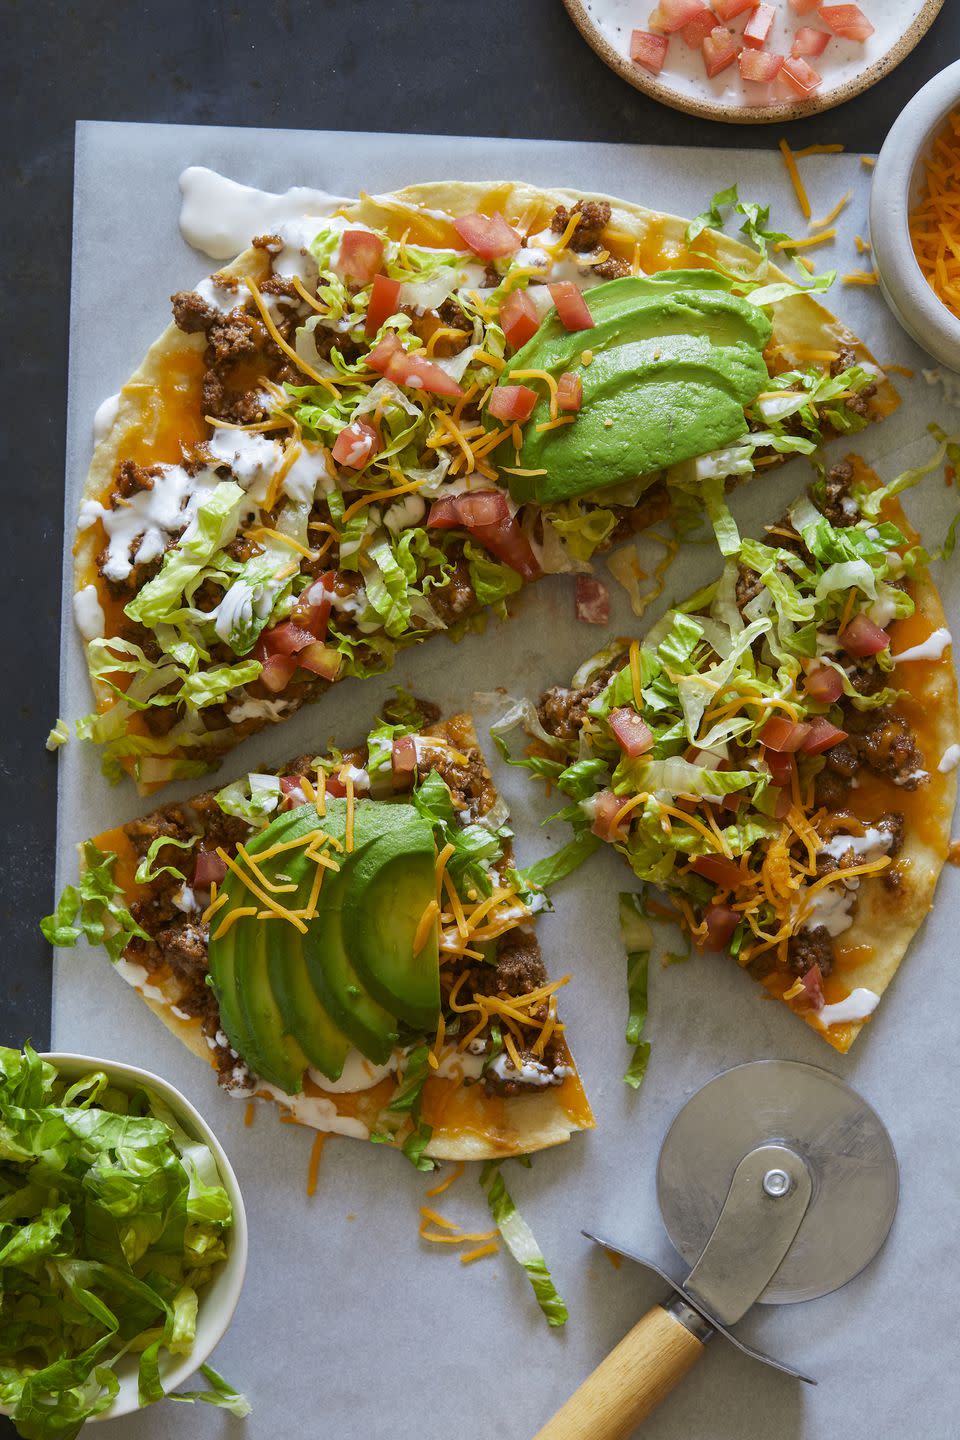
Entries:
{"x":776,"y":1183}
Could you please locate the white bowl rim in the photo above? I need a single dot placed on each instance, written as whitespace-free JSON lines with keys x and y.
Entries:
{"x":904,"y":284}
{"x":233,"y":1268}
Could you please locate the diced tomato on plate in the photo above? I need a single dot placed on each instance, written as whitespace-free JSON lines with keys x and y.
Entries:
{"x":355,"y":445}
{"x":847,"y":21}
{"x":757,"y":27}
{"x":804,"y":7}
{"x":631,"y":731}
{"x":569,"y":392}
{"x":486,"y":514}
{"x":729,"y":9}
{"x":800,"y":76}
{"x":672,"y":15}
{"x":809,"y":42}
{"x":721,"y":922}
{"x":862,"y":637}
{"x":384,"y":302}
{"x":696,"y":31}
{"x":648,"y":50}
{"x":760,"y":65}
{"x":720,"y":48}
{"x":723,"y":872}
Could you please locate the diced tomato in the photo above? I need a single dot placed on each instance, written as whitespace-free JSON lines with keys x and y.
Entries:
{"x":780,"y":766}
{"x":486,"y":514}
{"x":512,"y":402}
{"x":727,"y":9}
{"x":356,"y":444}
{"x":573,"y":310}
{"x":277,"y":672}
{"x":383,"y":352}
{"x":719,"y":869}
{"x":721,"y":922}
{"x":720,"y":48}
{"x":808,"y":41}
{"x":293,"y":791}
{"x":384,"y":302}
{"x":760,"y":65}
{"x":359,"y":258}
{"x":697,"y":30}
{"x":207,"y":869}
{"x":488,"y":236}
{"x":648,"y":50}
{"x":320,"y":660}
{"x":592,"y":603}
{"x":314,"y":605}
{"x":569,"y":391}
{"x":757,"y":27}
{"x":287,"y":638}
{"x":733,"y":801}
{"x":823,"y":736}
{"x":608,"y":806}
{"x":847,"y":21}
{"x":862,"y":637}
{"x":803,"y":7}
{"x":800,"y":76}
{"x":824,"y":684}
{"x":812,"y":983}
{"x":783,"y":735}
{"x":334,"y":786}
{"x":416,"y":372}
{"x":519,"y":319}
{"x":403,"y":758}
{"x":672,"y":15}
{"x":784,"y":801}
{"x":631,"y":732}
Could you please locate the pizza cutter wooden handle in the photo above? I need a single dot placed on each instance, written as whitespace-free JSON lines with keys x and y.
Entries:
{"x":632,"y":1380}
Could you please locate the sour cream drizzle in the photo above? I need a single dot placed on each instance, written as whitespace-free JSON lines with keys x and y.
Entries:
{"x":857,"y":1006}
{"x":930,"y":649}
{"x":219,"y":216}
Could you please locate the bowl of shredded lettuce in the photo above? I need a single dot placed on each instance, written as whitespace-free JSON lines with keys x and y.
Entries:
{"x":123,"y":1243}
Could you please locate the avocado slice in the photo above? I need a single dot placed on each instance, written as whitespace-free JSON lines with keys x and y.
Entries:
{"x":675,"y":359}
{"x":341,"y":992}
{"x":391,"y":884}
{"x":276,"y":1056}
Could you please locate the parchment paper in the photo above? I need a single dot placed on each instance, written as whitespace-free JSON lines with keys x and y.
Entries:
{"x":349,"y":1325}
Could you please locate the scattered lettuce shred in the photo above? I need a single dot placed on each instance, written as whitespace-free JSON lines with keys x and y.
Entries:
{"x":637,"y":936}
{"x":519,"y":1240}
{"x":148,"y":870}
{"x":405,"y":1109}
{"x":112,"y":1220}
{"x":59,"y":735}
{"x":94,"y":908}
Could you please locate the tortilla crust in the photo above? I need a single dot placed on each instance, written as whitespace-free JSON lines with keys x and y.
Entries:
{"x":799,"y":324}
{"x":497,"y":1127}
{"x":887,"y":920}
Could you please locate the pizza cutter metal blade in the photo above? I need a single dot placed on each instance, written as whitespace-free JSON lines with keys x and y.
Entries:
{"x":776,"y":1183}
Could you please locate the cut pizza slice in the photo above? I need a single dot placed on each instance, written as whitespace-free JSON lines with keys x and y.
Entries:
{"x":374,"y":424}
{"x":778,"y":756}
{"x":348,"y":937}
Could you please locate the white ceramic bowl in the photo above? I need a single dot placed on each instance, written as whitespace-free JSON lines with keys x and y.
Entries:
{"x":897,"y":182}
{"x":218,"y":1299}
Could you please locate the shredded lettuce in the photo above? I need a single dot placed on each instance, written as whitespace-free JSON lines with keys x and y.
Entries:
{"x":94,"y":908}
{"x":492,"y":581}
{"x":148,"y":870}
{"x":637,"y":938}
{"x":519,"y":1240}
{"x":404,"y":1109}
{"x":253,"y":797}
{"x":58,"y":736}
{"x":114,"y":1220}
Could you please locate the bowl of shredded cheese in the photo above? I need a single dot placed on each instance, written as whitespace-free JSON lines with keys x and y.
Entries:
{"x":915,"y":217}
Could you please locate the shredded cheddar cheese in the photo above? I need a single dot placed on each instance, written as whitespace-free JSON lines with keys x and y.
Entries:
{"x":794,"y":174}
{"x":279,"y":341}
{"x":454,"y":1175}
{"x":860,"y":277}
{"x":316,"y":1151}
{"x":829,"y":218}
{"x":806,"y":241}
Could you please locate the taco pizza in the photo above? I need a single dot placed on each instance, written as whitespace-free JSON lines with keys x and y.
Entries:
{"x":371,"y":426}
{"x":778,"y":756}
{"x":348,"y":937}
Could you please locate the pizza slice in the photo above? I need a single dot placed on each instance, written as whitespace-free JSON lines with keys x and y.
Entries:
{"x":778,"y":756}
{"x":348,"y":937}
{"x":374,"y":424}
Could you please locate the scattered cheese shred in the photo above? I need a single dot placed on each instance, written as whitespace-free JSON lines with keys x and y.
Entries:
{"x":479,"y":1253}
{"x":860,"y":277}
{"x":316,"y":1151}
{"x":807,"y":240}
{"x":454,"y":1175}
{"x":795,"y":181}
{"x":829,"y":219}
{"x":231,"y":917}
{"x":279,"y":341}
{"x":834,"y":149}
{"x":427,"y":920}
{"x":249,"y":1113}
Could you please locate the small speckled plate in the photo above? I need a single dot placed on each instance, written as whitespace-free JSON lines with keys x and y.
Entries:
{"x":848,"y":67}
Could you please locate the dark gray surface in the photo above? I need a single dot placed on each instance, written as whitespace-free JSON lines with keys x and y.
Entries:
{"x":512,"y":67}
{"x":517,"y":67}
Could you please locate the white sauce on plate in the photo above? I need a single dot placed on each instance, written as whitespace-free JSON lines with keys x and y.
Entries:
{"x":220,"y":217}
{"x":104,"y":417}
{"x":949,"y":760}
{"x":358,"y":1073}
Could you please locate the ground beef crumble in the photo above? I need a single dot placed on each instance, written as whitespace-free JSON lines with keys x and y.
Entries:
{"x":562,"y":711}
